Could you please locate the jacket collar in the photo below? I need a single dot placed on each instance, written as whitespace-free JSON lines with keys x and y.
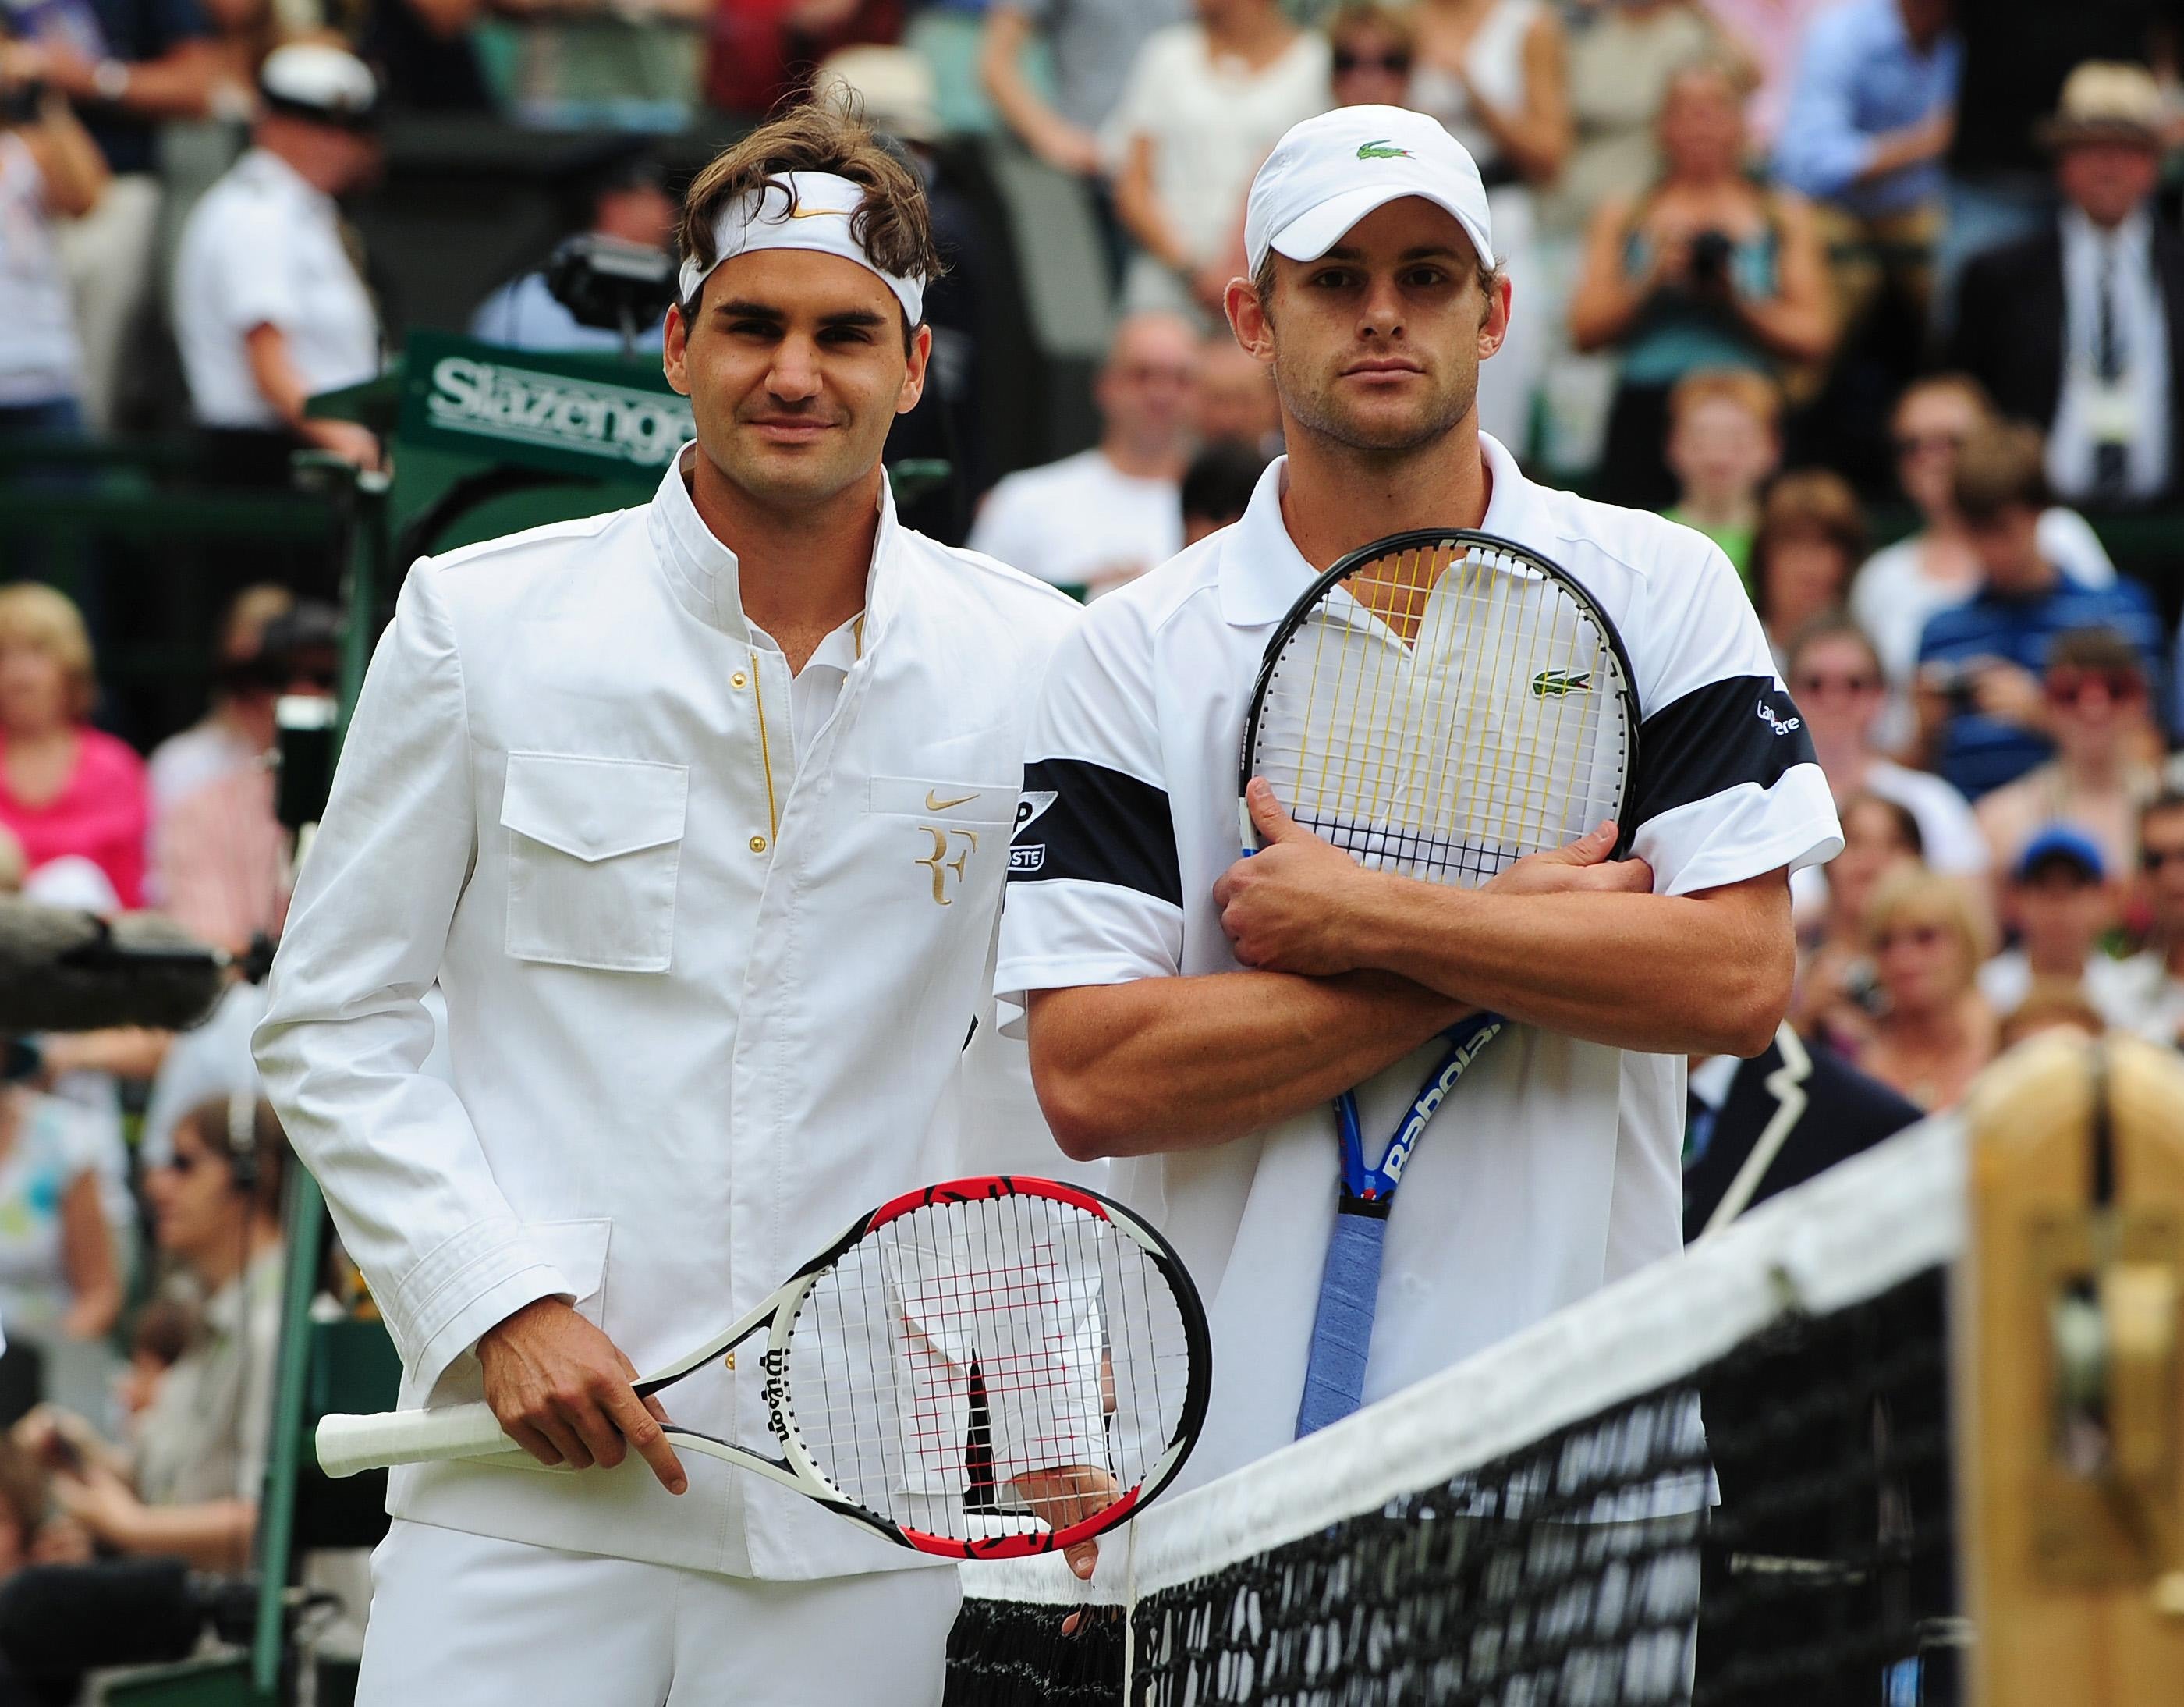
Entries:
{"x":1263,"y":573}
{"x":703,"y":574}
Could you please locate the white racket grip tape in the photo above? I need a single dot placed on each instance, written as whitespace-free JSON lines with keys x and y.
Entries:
{"x":348,"y":1444}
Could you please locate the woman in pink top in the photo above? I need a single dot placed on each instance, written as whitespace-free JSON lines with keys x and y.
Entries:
{"x":65,"y":788}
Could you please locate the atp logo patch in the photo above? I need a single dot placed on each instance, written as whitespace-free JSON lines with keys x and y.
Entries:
{"x":1556,"y":684}
{"x":1029,"y":857}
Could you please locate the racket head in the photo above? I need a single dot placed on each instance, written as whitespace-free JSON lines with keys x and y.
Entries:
{"x":966,"y":1337}
{"x":1442,"y":703}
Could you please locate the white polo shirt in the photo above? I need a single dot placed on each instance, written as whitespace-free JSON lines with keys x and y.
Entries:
{"x":264,"y":247}
{"x":1555,"y":1167}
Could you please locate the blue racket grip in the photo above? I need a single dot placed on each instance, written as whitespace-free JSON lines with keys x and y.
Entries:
{"x":1342,"y":1330}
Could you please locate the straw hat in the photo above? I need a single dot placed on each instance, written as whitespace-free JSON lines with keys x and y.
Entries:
{"x":2103,"y":101}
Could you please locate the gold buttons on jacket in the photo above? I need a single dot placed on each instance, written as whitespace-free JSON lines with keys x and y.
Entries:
{"x":757,"y":844}
{"x":740,"y":680}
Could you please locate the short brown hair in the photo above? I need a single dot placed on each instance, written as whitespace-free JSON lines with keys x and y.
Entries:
{"x":268,"y":1145}
{"x":895,"y":225}
{"x":1804,"y":503}
{"x":2002,"y":465}
{"x":1754,"y":393}
{"x":2099,"y":650}
{"x":1370,"y":15}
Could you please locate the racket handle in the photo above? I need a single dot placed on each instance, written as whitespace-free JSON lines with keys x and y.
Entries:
{"x":348,"y":1444}
{"x":1342,"y":1330}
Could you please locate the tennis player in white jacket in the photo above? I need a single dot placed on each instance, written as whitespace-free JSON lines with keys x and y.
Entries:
{"x":699,"y":813}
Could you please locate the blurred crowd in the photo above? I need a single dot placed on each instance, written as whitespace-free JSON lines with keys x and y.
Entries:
{"x":1807,"y":275}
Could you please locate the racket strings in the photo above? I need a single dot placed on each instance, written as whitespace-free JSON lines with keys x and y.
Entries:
{"x":1444,"y":713}
{"x":989,"y":1366}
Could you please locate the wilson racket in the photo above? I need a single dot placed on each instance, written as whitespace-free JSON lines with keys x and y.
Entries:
{"x":1440,"y":704}
{"x":984,"y":1368}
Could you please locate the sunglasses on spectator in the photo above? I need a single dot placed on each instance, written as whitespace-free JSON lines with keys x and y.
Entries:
{"x":1813,"y":686}
{"x":1918,"y":935}
{"x":1345,"y":60}
{"x":1918,"y":444}
{"x":2070,"y":686}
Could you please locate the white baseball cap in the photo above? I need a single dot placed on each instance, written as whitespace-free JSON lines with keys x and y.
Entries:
{"x":1328,"y":173}
{"x":327,"y":84}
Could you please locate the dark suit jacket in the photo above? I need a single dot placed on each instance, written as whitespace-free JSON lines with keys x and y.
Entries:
{"x":1844,"y":1113}
{"x":2010,"y":324}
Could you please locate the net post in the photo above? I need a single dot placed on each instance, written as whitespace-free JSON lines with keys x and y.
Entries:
{"x":2071,"y":1423}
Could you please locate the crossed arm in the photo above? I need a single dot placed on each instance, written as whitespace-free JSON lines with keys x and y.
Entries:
{"x":1353,"y":969}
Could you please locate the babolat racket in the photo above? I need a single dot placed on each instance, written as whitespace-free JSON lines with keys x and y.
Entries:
{"x":985,"y":1369}
{"x":1439,"y":705}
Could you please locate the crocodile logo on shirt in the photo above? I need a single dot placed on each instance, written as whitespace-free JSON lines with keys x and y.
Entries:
{"x":1382,"y":150}
{"x":1557,"y":684}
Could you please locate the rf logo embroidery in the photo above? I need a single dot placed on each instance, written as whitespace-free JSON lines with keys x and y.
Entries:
{"x":939,"y":864}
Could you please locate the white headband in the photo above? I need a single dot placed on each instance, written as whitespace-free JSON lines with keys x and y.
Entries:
{"x":812,"y":213}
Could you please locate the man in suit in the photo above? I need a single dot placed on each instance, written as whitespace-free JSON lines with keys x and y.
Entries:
{"x":2080,"y":329}
{"x":1758,"y":1127}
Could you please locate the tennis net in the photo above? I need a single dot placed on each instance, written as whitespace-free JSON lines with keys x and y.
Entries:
{"x":1550,"y":1525}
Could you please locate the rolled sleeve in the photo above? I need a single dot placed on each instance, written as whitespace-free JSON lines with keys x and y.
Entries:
{"x":346,"y":1035}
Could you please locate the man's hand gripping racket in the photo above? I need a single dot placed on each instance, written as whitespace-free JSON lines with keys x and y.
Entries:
{"x":1444,"y":707}
{"x":985,"y":1369}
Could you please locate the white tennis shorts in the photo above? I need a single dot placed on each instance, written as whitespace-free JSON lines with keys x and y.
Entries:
{"x":459,"y":1618}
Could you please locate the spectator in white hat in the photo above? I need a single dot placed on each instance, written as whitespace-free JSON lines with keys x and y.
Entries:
{"x":269,"y":306}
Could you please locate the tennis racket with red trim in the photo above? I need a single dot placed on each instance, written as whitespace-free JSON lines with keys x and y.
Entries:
{"x":985,"y":1369}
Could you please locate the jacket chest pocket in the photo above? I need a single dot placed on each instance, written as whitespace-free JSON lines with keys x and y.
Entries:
{"x":593,"y":849}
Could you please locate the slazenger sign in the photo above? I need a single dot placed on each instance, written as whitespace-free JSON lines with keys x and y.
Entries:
{"x":587,"y":417}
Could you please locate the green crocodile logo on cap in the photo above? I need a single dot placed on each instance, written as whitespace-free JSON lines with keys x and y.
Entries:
{"x":1558,"y":682}
{"x":1382,"y":150}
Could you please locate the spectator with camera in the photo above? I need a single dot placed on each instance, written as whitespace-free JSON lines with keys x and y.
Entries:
{"x":50,"y":170}
{"x":1981,"y":708}
{"x":2079,"y":328}
{"x":269,"y":308}
{"x":1933,"y":567}
{"x":1837,"y":993}
{"x":626,"y":202}
{"x":1706,"y":270}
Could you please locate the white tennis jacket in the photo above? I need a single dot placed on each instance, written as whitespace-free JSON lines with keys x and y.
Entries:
{"x":704,"y":1005}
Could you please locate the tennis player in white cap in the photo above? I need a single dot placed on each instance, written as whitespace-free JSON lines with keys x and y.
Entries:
{"x":698,"y":813}
{"x":1191,"y":1014}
